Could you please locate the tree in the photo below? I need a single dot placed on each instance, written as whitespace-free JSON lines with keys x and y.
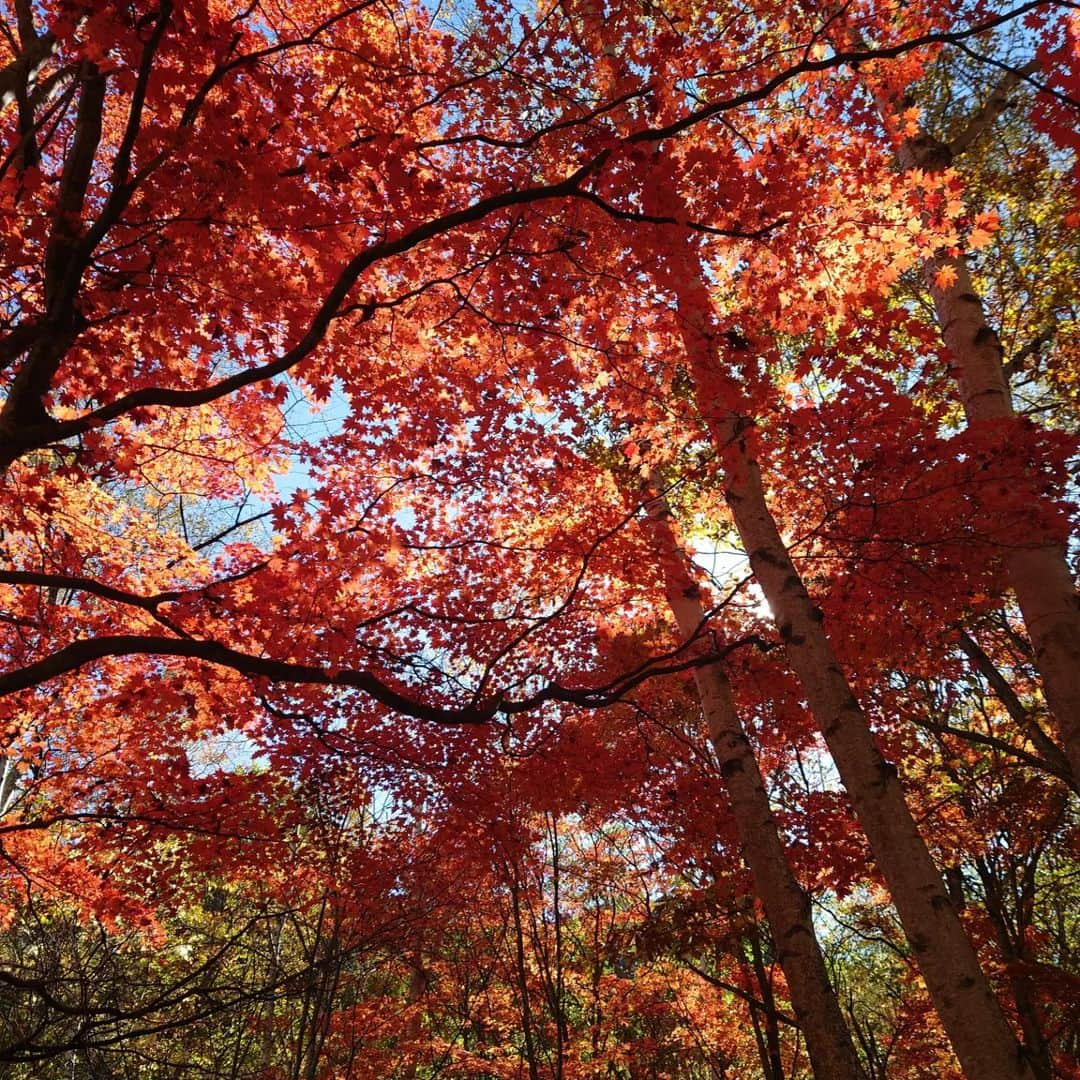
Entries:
{"x":786,"y":904}
{"x":490,"y":241}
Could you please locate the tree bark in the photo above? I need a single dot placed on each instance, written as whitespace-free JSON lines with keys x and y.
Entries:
{"x":977,"y":1028}
{"x":1039,"y":574}
{"x":786,"y":904}
{"x":418,"y":986}
{"x":772,"y":1027}
{"x":1011,"y":941}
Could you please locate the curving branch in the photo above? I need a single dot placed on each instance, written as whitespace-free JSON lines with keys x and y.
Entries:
{"x":982,"y":119}
{"x":24,"y":425}
{"x":1051,"y":757}
{"x":85,"y":651}
{"x":34,"y":436}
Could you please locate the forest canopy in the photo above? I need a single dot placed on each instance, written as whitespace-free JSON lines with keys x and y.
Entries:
{"x":537,"y":540}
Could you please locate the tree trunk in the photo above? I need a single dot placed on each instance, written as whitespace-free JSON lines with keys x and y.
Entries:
{"x":1013,"y":953}
{"x":1039,"y":575}
{"x":527,"y":1031}
{"x":976,"y":1026}
{"x":787,"y":906}
{"x":419,"y":982}
{"x":772,"y":1026}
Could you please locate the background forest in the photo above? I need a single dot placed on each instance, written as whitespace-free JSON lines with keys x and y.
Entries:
{"x":535,"y":540}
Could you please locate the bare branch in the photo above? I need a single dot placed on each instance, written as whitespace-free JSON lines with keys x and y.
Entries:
{"x":980,"y":121}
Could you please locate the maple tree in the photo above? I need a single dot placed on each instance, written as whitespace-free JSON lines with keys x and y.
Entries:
{"x":370,"y":372}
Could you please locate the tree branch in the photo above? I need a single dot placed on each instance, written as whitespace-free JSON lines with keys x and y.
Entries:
{"x":1051,"y":753}
{"x":34,"y":436}
{"x":980,"y":121}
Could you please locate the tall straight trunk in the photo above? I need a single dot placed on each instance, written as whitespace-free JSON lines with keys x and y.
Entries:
{"x":787,"y":906}
{"x":1018,"y":964}
{"x":9,"y":776}
{"x":970,"y":1014}
{"x":414,"y":1026}
{"x":772,"y":1025}
{"x":1039,"y":574}
{"x":555,"y":981}
{"x":527,"y":1030}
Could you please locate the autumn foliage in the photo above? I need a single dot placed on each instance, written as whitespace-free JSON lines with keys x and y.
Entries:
{"x":537,"y":541}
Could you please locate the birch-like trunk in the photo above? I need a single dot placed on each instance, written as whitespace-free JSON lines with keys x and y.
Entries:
{"x":1039,"y":574}
{"x":786,"y":904}
{"x":9,"y":776}
{"x":976,"y":1026}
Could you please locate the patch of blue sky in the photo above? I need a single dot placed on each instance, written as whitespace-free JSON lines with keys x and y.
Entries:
{"x":308,"y":424}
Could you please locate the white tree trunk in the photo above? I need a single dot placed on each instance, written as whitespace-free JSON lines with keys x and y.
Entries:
{"x":1039,"y":574}
{"x":976,"y":1026}
{"x":786,"y":904}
